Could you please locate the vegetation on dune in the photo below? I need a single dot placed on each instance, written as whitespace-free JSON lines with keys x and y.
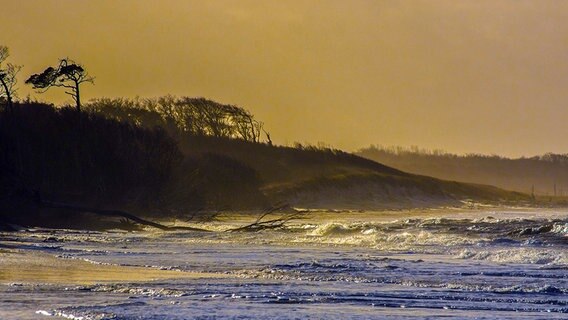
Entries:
{"x":86,"y":158}
{"x":133,"y":165}
{"x":8,"y":80}
{"x":67,"y":74}
{"x":183,"y":116}
{"x":174,"y":157}
{"x":62,"y":152}
{"x":540,"y":175}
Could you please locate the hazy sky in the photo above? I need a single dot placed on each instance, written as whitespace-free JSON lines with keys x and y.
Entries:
{"x":464,"y":76}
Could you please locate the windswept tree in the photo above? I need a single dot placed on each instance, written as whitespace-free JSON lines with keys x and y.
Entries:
{"x":245,"y":126}
{"x":68,"y":74}
{"x":8,"y":79}
{"x":194,"y":116}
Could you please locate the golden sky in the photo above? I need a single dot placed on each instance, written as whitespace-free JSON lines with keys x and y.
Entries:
{"x":464,"y":76}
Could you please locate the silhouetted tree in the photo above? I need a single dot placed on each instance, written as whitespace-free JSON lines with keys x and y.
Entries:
{"x":7,"y":77}
{"x":245,"y":125}
{"x":268,"y":140}
{"x":68,"y":74}
{"x":193,"y":116}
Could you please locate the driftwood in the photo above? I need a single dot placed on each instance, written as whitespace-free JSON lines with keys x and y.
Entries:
{"x":115,"y":213}
{"x":261,"y":224}
{"x":128,"y":218}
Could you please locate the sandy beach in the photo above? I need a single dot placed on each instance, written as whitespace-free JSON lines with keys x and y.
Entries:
{"x":21,"y":266}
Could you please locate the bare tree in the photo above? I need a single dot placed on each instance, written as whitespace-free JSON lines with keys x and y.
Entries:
{"x":214,"y":116}
{"x":8,"y":77}
{"x":68,"y":74}
{"x":202,"y":117}
{"x":194,"y":116}
{"x":246,"y":127}
{"x":268,"y":140}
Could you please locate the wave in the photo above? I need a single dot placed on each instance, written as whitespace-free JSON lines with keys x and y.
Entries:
{"x":561,"y":229}
{"x":453,"y":284}
{"x":542,"y":256}
{"x":126,"y":289}
{"x":406,"y":234}
{"x":385,"y":236}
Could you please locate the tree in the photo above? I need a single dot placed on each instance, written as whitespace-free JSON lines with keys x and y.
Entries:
{"x":245,"y":126}
{"x":7,"y":77}
{"x":68,"y":74}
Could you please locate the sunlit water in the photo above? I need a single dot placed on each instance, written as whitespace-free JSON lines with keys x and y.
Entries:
{"x":477,"y":265}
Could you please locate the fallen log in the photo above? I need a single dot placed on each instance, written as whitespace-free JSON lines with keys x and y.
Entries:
{"x":115,"y":213}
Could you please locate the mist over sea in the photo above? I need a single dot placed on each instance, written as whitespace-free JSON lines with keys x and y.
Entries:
{"x":479,"y":264}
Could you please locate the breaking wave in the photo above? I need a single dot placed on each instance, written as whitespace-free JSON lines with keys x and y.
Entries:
{"x":542,"y":256}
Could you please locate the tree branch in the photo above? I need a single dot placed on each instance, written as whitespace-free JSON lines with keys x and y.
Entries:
{"x":114,"y":213}
{"x":277,"y":223}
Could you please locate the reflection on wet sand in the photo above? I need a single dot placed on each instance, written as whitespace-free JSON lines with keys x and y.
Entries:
{"x":32,"y":267}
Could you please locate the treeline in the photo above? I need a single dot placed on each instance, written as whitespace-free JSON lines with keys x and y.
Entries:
{"x":85,"y":158}
{"x":193,"y":116}
{"x":545,"y":175}
{"x":218,"y":180}
{"x":219,"y":132}
{"x":61,"y":151}
{"x":129,"y":154}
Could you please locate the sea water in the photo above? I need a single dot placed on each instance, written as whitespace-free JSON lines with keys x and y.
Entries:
{"x":481,"y":264}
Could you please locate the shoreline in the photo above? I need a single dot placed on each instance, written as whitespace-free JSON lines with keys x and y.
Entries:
{"x":26,"y":267}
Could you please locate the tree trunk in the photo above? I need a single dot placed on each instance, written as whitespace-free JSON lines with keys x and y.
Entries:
{"x":8,"y":96}
{"x":77,"y":97}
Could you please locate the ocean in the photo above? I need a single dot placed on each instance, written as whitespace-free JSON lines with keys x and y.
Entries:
{"x":430,"y":264}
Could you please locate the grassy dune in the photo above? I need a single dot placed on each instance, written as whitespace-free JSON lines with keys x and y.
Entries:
{"x":326,"y":178}
{"x":51,"y":155}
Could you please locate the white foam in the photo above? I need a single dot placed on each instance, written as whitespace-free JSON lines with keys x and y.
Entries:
{"x":561,"y":229}
{"x":44,"y":313}
{"x":374,"y":236}
{"x":542,"y":256}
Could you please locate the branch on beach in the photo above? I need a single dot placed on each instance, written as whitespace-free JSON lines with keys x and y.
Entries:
{"x":115,"y":213}
{"x":261,"y":224}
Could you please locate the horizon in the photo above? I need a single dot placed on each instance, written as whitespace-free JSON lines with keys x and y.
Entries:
{"x":468,"y":77}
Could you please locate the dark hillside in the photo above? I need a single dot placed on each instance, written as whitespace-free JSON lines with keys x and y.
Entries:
{"x":303,"y":175}
{"x":327,"y":178}
{"x":186,"y":158}
{"x":60,"y":155}
{"x":279,"y":164}
{"x":65,"y":155}
{"x":547,"y":174}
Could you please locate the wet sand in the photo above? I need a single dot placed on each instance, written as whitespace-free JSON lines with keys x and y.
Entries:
{"x":22,"y":266}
